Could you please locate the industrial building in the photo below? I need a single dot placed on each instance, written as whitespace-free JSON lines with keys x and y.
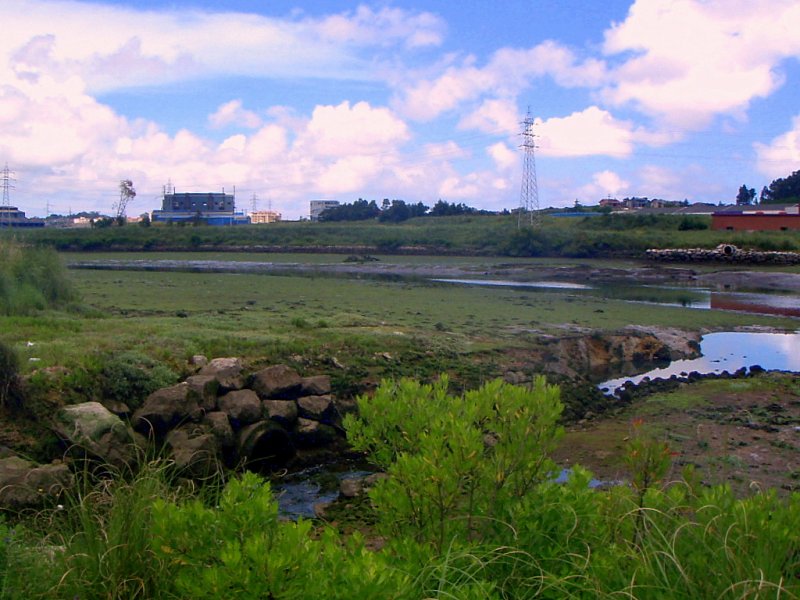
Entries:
{"x":11,"y":216}
{"x":758,"y":219}
{"x":211,"y":208}
{"x":258,"y":217}
{"x":317,"y":207}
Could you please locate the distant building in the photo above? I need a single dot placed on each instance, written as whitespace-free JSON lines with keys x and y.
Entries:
{"x":212,"y":208}
{"x":757,"y":219}
{"x":611,"y":202}
{"x":258,"y":217}
{"x":317,"y":207}
{"x":11,"y":216}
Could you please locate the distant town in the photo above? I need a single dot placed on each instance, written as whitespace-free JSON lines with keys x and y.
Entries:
{"x":219,"y":209}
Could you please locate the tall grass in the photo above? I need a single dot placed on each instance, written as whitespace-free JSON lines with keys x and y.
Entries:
{"x":31,"y":279}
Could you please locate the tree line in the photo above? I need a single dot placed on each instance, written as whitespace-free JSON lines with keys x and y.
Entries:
{"x":394,"y":211}
{"x":784,"y":190}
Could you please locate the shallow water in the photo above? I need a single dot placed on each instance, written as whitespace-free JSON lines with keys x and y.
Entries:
{"x":729,"y":351}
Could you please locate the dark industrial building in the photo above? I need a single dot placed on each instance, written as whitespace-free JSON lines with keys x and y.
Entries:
{"x":11,"y":216}
{"x":212,"y":208}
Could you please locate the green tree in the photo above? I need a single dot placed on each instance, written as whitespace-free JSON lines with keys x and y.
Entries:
{"x":745,"y":196}
{"x":783,"y":190}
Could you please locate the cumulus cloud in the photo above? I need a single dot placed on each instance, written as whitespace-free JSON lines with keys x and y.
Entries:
{"x":781,"y":157}
{"x":232,"y":113}
{"x":685,"y":61}
{"x":604,"y":184}
{"x":132,"y":47}
{"x":592,"y":131}
{"x":507,"y":72}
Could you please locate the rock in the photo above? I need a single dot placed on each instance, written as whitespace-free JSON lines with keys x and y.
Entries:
{"x":351,"y":487}
{"x":24,"y":484}
{"x":194,"y":451}
{"x":264,"y":446}
{"x":93,"y":428}
{"x":281,"y":411}
{"x":317,"y":408}
{"x":204,"y":388}
{"x":279,"y":381}
{"x":227,"y":372}
{"x":321,"y":509}
{"x":220,"y":426}
{"x":198,"y":360}
{"x":165,"y":409}
{"x":120,"y":409}
{"x":310,"y":433}
{"x":317,"y":385}
{"x":243,"y":407}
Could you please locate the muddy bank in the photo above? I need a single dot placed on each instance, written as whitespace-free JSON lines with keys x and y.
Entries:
{"x":364,"y":265}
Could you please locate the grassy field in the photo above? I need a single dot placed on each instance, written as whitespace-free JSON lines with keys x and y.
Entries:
{"x":606,"y":236}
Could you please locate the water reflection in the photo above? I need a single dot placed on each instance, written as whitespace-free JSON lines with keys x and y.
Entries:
{"x":557,"y":285}
{"x":730,"y":351}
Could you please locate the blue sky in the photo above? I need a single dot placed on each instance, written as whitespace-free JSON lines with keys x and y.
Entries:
{"x":289,"y":102}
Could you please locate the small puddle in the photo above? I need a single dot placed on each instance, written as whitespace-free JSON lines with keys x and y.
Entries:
{"x":728,"y":351}
{"x":299,"y":492}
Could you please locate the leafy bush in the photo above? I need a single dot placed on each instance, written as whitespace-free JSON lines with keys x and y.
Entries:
{"x":32,"y":279}
{"x":9,"y":375}
{"x":131,"y":377}
{"x":454,"y":463}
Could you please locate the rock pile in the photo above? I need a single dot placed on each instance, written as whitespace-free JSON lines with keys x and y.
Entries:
{"x":219,"y":416}
{"x":724,"y":253}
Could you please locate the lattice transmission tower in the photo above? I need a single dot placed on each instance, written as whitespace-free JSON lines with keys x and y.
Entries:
{"x":529,"y":190}
{"x":7,"y":181}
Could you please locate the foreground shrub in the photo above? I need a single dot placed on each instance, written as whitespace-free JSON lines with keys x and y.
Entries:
{"x":9,"y":375}
{"x":455,"y":463}
{"x":32,"y":279}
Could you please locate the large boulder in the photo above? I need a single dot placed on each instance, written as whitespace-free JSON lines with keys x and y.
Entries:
{"x":24,"y":484}
{"x":165,"y":409}
{"x":317,"y":408}
{"x":243,"y":407}
{"x":311,"y":434}
{"x":204,"y":388}
{"x":194,"y":450}
{"x":278,"y":381}
{"x":281,"y":411}
{"x":220,"y":426}
{"x":227,"y":372}
{"x":316,"y":385}
{"x":91,"y":427}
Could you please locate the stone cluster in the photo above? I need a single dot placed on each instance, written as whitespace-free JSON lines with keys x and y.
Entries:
{"x":724,"y":253}
{"x":218,"y":417}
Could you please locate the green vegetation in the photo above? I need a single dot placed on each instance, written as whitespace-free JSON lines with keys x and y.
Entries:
{"x":31,"y":279}
{"x":477,"y":521}
{"x":613,"y":235}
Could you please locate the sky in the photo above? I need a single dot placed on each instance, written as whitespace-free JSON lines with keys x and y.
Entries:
{"x":288,"y":102}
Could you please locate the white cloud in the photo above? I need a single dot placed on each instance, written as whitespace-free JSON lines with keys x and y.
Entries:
{"x":685,"y":61}
{"x":592,"y":131}
{"x":781,"y":157}
{"x":604,"y":184}
{"x":232,"y":113}
{"x":504,"y":157}
{"x":130,"y":47}
{"x":357,"y":130}
{"x":493,"y":116}
{"x":505,"y":75}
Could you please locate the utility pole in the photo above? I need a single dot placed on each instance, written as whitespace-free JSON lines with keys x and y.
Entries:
{"x":529,"y":190}
{"x":253,"y":204}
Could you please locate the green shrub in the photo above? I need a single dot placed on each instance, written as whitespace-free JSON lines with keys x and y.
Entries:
{"x":32,"y":279}
{"x":454,"y":463}
{"x":9,"y":375}
{"x":131,"y":377}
